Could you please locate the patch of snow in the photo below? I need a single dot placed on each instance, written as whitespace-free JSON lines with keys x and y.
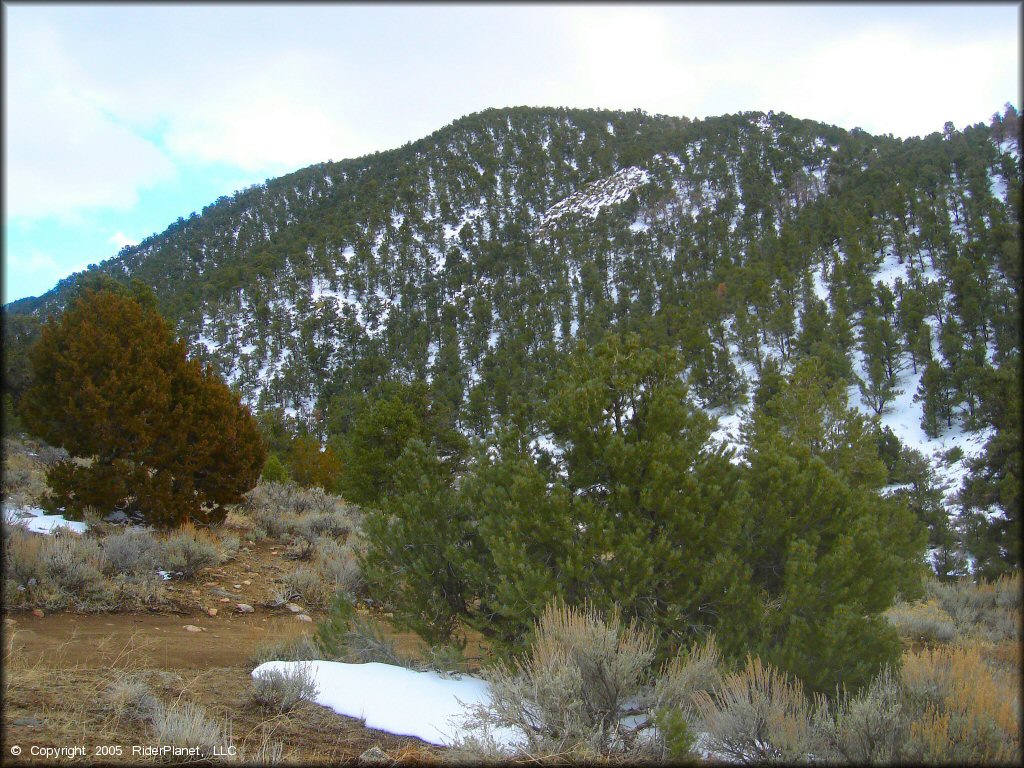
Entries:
{"x":37,"y":521}
{"x":426,"y":705}
{"x":597,"y":195}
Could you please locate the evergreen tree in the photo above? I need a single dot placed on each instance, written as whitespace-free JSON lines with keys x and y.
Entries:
{"x":388,"y":419}
{"x":991,"y":493}
{"x":166,"y":437}
{"x":828,"y":552}
{"x":933,"y":394}
{"x":666,"y":507}
{"x":419,"y":545}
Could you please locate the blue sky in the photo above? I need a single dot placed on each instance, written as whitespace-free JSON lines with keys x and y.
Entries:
{"x":118,"y":119}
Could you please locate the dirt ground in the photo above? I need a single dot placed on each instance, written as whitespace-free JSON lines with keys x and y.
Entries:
{"x":58,"y":667}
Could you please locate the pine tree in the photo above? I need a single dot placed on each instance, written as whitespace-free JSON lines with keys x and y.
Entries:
{"x":666,"y":507}
{"x":991,"y":494}
{"x":167,"y":439}
{"x":933,"y":394}
{"x":828,"y":552}
{"x":419,"y":545}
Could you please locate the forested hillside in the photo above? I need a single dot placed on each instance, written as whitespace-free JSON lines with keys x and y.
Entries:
{"x":474,"y":260}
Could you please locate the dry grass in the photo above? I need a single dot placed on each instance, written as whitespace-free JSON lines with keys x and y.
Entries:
{"x":24,"y":480}
{"x":100,"y":573}
{"x":188,"y":550}
{"x":687,"y":674}
{"x":757,"y":715}
{"x":923,"y":622}
{"x":569,"y":696}
{"x":282,"y":690}
{"x":964,"y":711}
{"x":280,"y":511}
{"x":987,"y":609}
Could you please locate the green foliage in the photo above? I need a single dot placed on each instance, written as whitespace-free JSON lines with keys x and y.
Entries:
{"x":679,"y":738}
{"x":828,"y":552}
{"x":992,"y":491}
{"x":274,"y":471}
{"x":383,"y":427}
{"x":11,"y":423}
{"x":417,"y":547}
{"x":165,"y":436}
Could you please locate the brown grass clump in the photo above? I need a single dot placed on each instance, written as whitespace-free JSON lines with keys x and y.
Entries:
{"x":963,"y":710}
{"x":987,"y":609}
{"x":583,"y":674}
{"x":923,"y":622}
{"x":24,"y":479}
{"x":758,"y":715}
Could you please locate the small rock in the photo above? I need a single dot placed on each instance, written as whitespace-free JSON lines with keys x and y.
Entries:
{"x":195,"y":591}
{"x":237,"y":586}
{"x":273,"y":551}
{"x":247,"y":581}
{"x":294,"y":608}
{"x":193,"y":628}
{"x":209,"y":583}
{"x":375,"y":755}
{"x":303,"y":617}
{"x":225,"y":599}
{"x":38,"y":613}
{"x":26,"y":721}
{"x":245,"y":608}
{"x":211,"y":611}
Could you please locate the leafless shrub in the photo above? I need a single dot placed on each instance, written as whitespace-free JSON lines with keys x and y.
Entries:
{"x":990,"y":609}
{"x":133,"y":551}
{"x":872,"y":727}
{"x":74,"y":564}
{"x":281,"y":690}
{"x":23,"y":556}
{"x":307,"y":583}
{"x":279,"y":510}
{"x":229,"y":544}
{"x":688,"y":673}
{"x":188,"y":551}
{"x":333,"y":568}
{"x":24,"y":480}
{"x":572,"y":695}
{"x":923,"y":621}
{"x":758,"y":716}
{"x":186,"y":725}
{"x":129,"y":697}
{"x":962,"y":710}
{"x":365,"y":643}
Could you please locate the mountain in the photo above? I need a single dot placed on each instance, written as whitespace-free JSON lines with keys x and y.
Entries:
{"x":476,"y":257}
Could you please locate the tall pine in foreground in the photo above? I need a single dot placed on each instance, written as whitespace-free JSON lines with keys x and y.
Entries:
{"x":163,"y":436}
{"x":828,"y":551}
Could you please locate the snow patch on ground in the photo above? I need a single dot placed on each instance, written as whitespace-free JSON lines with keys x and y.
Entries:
{"x":37,"y":521}
{"x":427,"y":705}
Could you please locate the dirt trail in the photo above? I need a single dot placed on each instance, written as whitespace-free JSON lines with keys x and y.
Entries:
{"x":153,"y":640}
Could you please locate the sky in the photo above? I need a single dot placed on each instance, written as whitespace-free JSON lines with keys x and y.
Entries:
{"x":119,"y":119}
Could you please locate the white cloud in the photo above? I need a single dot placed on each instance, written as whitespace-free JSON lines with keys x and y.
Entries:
{"x":888,"y":82}
{"x":120,"y":239}
{"x":65,"y":153}
{"x":104,"y":102}
{"x":34,"y":272}
{"x":628,"y":58}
